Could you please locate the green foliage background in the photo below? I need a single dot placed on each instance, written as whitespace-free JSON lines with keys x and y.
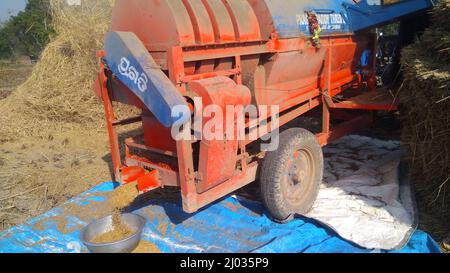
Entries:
{"x":28,"y":32}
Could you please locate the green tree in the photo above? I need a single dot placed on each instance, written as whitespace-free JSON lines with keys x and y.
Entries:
{"x":28,"y":32}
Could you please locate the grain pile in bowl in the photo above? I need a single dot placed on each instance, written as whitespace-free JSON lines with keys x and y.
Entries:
{"x":120,"y":199}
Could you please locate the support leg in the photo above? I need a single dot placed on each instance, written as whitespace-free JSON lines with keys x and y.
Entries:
{"x":110,"y":118}
{"x":327,"y":101}
{"x":187,"y":176}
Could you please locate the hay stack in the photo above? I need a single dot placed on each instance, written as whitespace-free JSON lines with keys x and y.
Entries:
{"x":426,"y":113}
{"x":53,"y":144}
{"x":58,"y":95}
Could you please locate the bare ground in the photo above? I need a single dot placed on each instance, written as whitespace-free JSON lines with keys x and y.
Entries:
{"x":39,"y":174}
{"x":12,"y":76}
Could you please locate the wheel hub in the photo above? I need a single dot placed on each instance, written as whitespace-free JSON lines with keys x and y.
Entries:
{"x":300,"y":171}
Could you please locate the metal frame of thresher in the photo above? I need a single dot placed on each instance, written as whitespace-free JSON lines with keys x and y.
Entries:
{"x":186,"y":176}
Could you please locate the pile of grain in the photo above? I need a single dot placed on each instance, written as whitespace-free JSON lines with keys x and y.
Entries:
{"x":120,"y":199}
{"x":426,"y":112}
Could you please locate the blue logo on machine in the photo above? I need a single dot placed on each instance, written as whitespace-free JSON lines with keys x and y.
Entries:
{"x":129,"y":71}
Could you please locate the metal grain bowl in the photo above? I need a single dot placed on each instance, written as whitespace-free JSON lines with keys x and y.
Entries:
{"x":135,"y":222}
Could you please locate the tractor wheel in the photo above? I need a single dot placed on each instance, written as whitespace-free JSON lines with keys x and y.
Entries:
{"x":291,"y":176}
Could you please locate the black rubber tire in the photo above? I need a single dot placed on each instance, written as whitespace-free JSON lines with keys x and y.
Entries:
{"x":275,"y":168}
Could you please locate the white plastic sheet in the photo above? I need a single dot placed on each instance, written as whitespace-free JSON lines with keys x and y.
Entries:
{"x":362,"y":198}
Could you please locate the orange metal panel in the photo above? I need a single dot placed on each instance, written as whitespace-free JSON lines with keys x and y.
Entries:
{"x":222,"y":24}
{"x":203,"y":27}
{"x":156,"y":135}
{"x":245,"y":22}
{"x":218,"y":157}
{"x":156,"y":23}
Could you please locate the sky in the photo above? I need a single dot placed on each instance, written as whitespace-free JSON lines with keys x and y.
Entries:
{"x":11,"y":6}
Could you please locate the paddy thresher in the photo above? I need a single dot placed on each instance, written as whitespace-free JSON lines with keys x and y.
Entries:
{"x":306,"y":57}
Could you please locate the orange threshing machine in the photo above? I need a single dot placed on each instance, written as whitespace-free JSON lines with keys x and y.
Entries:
{"x":302,"y":56}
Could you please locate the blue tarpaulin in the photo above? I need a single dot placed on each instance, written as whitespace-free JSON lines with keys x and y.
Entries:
{"x":230,"y":225}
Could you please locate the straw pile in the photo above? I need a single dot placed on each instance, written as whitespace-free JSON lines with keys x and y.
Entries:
{"x":58,"y":95}
{"x":426,"y":100}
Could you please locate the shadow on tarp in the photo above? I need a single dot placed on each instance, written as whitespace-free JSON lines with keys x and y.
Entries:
{"x":230,"y":225}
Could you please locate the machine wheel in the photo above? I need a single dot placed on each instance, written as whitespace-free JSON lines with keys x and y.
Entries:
{"x":291,"y":176}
